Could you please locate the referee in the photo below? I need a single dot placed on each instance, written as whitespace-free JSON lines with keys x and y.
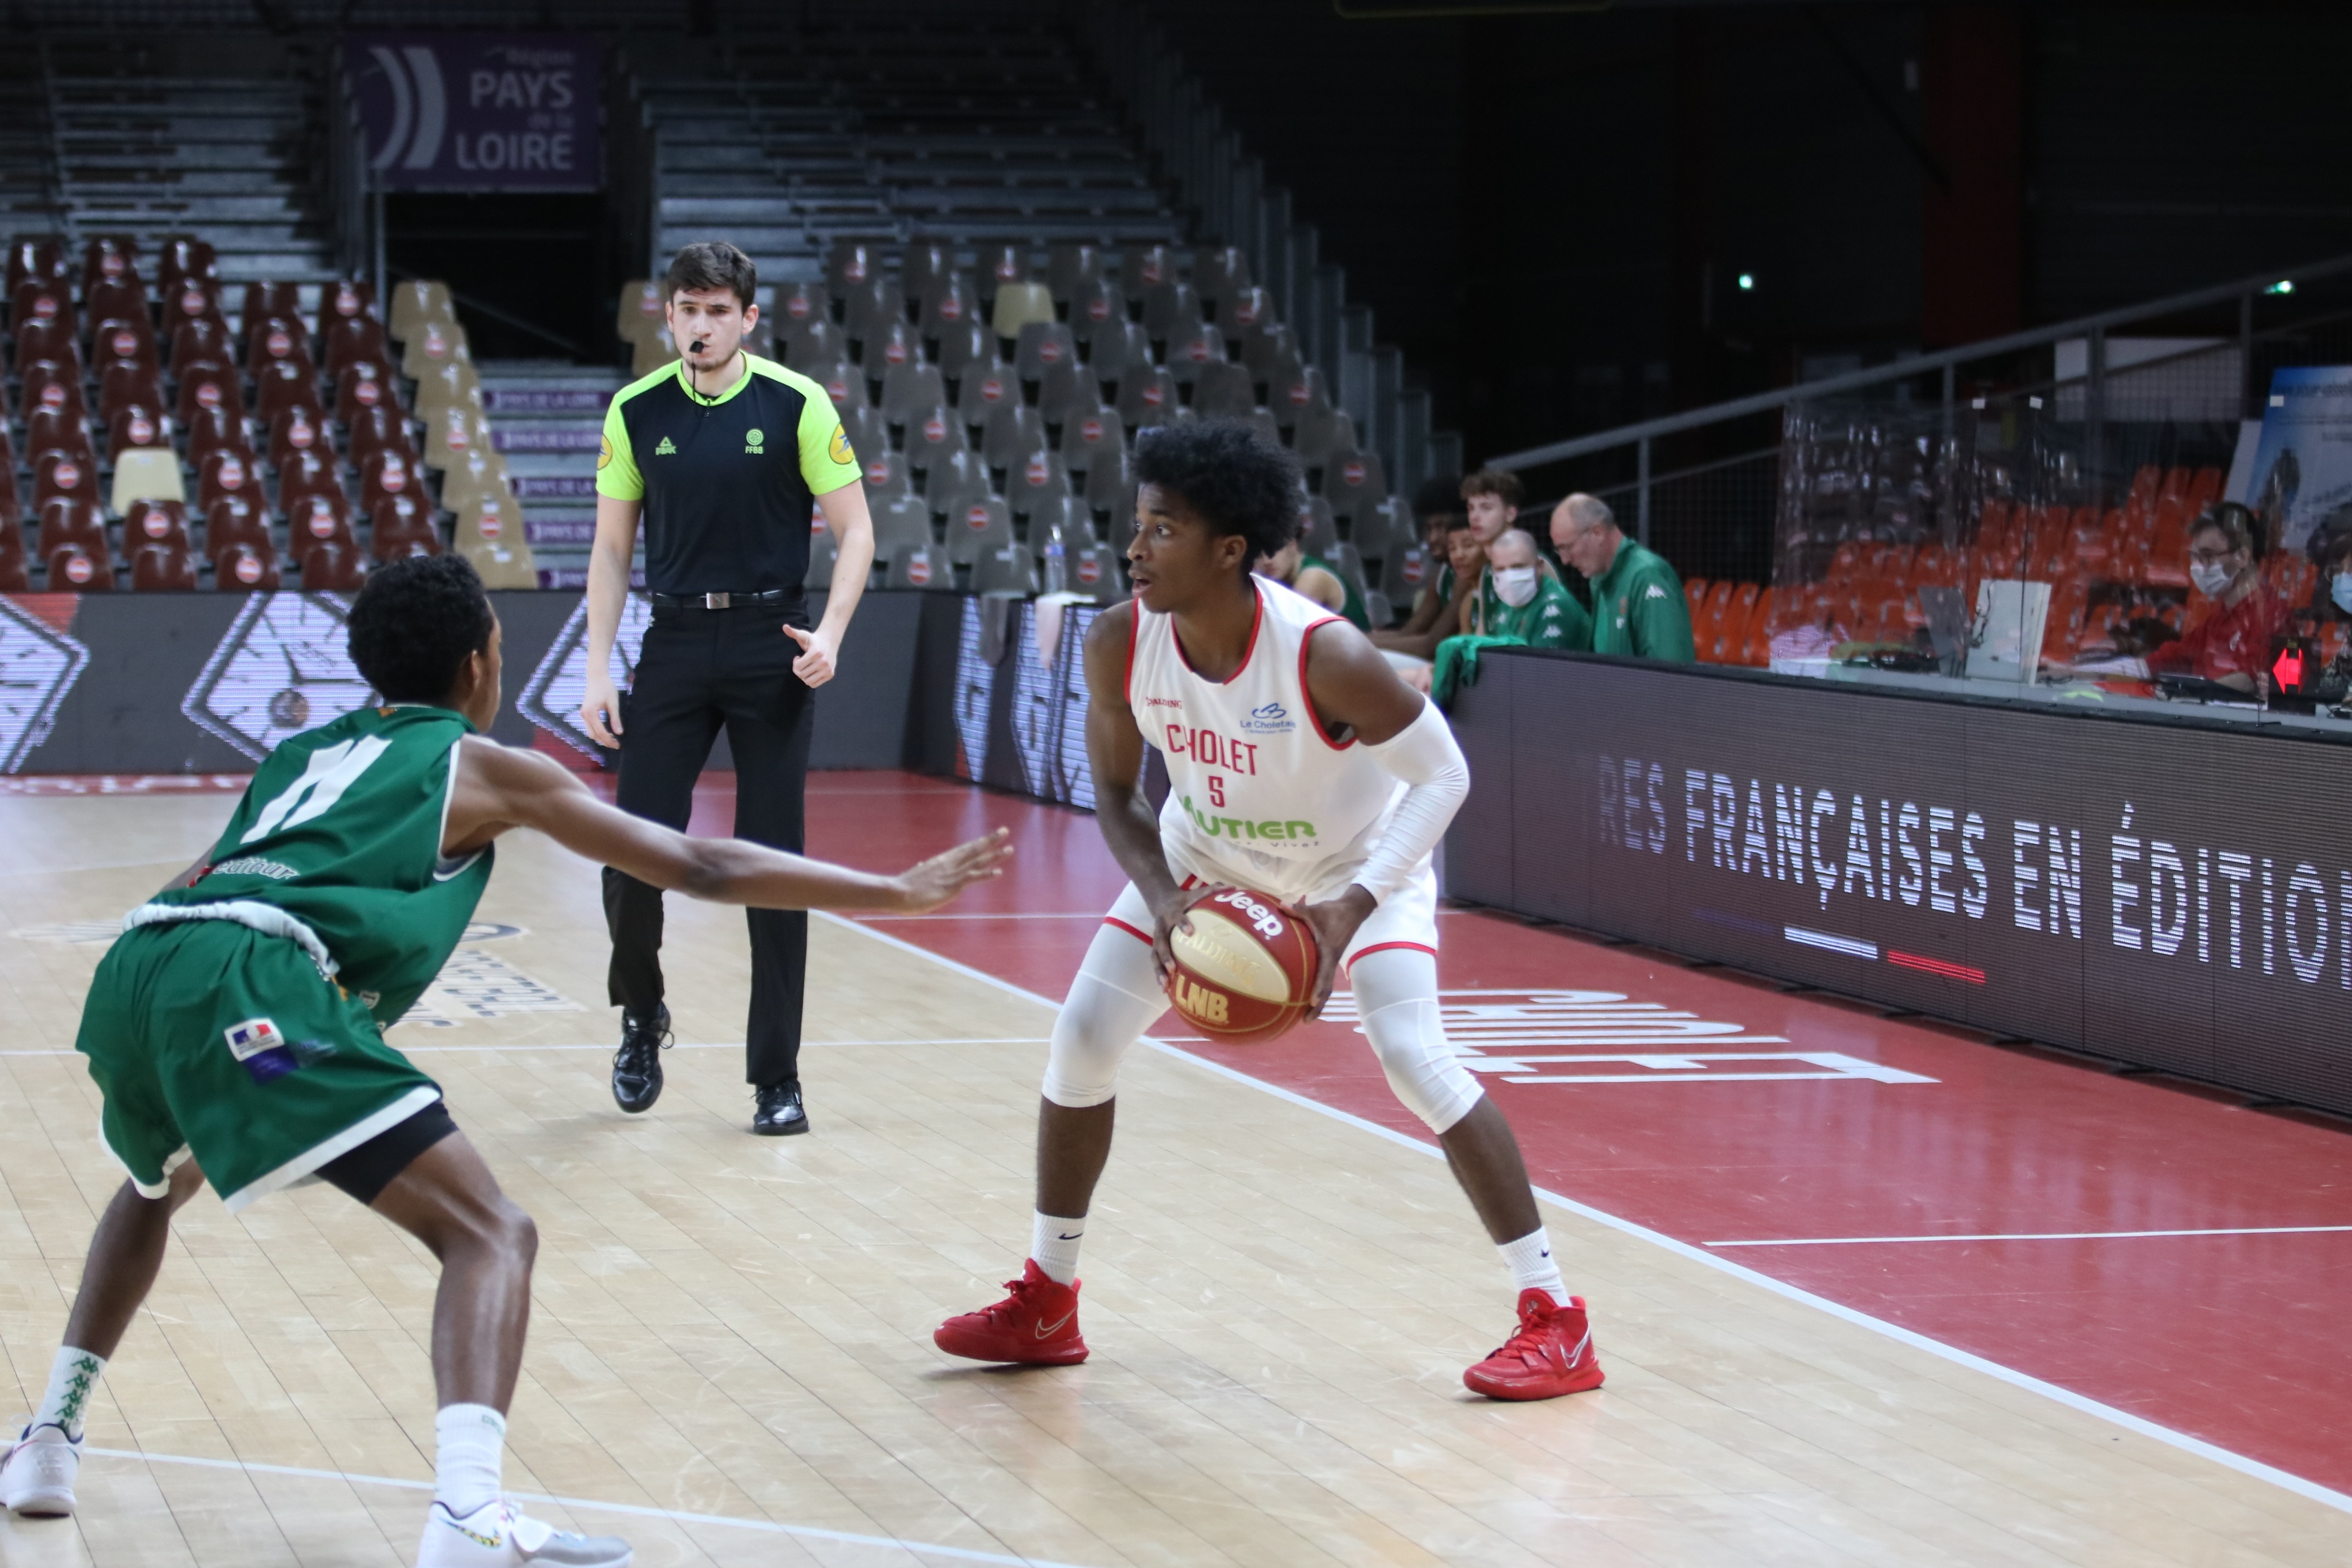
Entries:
{"x":722,"y":455}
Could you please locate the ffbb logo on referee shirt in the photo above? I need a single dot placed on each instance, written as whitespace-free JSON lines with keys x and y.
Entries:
{"x":751,"y":443}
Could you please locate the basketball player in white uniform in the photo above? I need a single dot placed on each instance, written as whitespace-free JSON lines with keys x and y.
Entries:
{"x":1300,"y":765}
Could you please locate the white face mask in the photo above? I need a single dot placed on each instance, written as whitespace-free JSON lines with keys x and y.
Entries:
{"x":2340,"y":591}
{"x":2210,"y":578}
{"x":1516,"y":585}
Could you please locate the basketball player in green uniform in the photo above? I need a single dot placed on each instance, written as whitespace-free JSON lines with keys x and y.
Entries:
{"x":235,"y":1030}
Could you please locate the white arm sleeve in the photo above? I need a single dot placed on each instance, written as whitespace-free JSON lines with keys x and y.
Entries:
{"x":1425,"y":756}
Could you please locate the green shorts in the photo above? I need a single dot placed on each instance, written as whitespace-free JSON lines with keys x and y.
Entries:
{"x":209,"y":1038}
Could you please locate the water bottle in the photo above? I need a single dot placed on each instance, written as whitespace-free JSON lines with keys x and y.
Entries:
{"x":1057,"y":572}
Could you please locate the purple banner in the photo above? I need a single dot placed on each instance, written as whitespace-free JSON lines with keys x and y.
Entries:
{"x":480,"y":112}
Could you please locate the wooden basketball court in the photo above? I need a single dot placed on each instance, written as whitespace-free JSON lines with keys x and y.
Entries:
{"x":730,"y":1358}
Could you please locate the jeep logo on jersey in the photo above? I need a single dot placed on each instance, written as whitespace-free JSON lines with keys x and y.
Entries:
{"x":975,"y":517}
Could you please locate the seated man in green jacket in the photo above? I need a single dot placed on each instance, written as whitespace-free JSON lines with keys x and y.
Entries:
{"x":1522,"y":605}
{"x":1637,"y":601}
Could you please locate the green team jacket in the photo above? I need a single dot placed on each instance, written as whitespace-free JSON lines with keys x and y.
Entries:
{"x":1638,"y":608}
{"x":1551,"y":619}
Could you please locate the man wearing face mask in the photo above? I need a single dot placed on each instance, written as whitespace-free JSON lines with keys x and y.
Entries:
{"x":1531,"y":609}
{"x":2231,"y":644}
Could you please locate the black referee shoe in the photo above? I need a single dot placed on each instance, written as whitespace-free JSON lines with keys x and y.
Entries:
{"x":780,"y":1113}
{"x":636,"y":1066}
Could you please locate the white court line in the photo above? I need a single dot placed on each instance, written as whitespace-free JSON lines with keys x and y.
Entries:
{"x":2038,"y":1235}
{"x":588,"y":1505}
{"x":2066,"y":1396}
{"x":1073,"y":915}
{"x":692,"y":1046}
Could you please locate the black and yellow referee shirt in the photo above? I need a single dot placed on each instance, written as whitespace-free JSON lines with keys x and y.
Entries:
{"x":727,"y":481}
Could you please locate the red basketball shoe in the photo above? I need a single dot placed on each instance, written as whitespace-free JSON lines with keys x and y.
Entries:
{"x":1551,"y":1356}
{"x":1037,"y":1322}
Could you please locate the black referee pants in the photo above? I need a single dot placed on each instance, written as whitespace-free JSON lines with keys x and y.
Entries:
{"x":701,"y":669}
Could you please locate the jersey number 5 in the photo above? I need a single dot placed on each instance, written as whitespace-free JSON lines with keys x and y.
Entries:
{"x":1216,"y":789}
{"x":331,"y":770}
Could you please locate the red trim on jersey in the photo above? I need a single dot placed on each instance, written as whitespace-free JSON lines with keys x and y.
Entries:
{"x":1306,"y":641}
{"x":1384,"y":946}
{"x":1134,"y":628}
{"x":1115,"y":920}
{"x":1257,"y":620}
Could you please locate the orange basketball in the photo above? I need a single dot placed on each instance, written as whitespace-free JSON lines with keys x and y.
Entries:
{"x":1246,"y":972}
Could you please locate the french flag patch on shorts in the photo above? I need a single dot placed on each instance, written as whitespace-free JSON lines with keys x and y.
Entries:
{"x":264,"y":1051}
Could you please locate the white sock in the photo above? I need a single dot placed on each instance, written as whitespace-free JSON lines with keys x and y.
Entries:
{"x":470,"y":1442}
{"x":1532,"y":1266}
{"x":73,"y":1378}
{"x":1053,"y":1245}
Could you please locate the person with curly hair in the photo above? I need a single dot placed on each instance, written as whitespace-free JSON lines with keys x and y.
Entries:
{"x":1300,"y":767}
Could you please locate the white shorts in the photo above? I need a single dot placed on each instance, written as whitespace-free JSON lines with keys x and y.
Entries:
{"x":1408,"y":917}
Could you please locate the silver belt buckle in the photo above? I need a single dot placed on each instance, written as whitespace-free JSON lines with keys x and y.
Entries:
{"x":717,"y":601}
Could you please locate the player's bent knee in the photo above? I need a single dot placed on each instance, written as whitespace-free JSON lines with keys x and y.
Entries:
{"x":1440,"y":1091}
{"x":1091,"y":1037}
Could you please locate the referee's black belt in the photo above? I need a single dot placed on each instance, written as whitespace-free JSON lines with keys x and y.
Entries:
{"x":772,"y":598}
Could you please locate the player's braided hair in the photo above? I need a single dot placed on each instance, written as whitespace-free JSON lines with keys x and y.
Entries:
{"x":1228,"y":473}
{"x":414,"y":624}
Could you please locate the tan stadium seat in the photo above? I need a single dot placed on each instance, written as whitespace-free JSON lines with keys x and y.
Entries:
{"x":433,"y":344}
{"x":648,"y":354}
{"x":639,"y":314}
{"x":417,"y":303}
{"x":1019,"y":304}
{"x":145,"y":473}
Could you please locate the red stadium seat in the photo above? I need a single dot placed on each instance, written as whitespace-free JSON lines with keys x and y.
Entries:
{"x":163,"y":568}
{"x":49,"y":306}
{"x":387,"y":473}
{"x":13,"y":577}
{"x":156,"y":522}
{"x":183,"y":257}
{"x":378,"y":429}
{"x":296,"y":430}
{"x":238,"y":520}
{"x":226,"y":472}
{"x":70,"y":520}
{"x":125,"y":384}
{"x":333,"y":566}
{"x":276,"y":339}
{"x":315,"y":519}
{"x":285,"y":384}
{"x":75,"y":570}
{"x":122,"y":299}
{"x":191,"y":300}
{"x":264,"y":300}
{"x":308,"y":474}
{"x":36,"y":257}
{"x":208,"y":385}
{"x":71,"y":476}
{"x":204,"y":339}
{"x":137,"y":425}
{"x":403,"y":525}
{"x":58,"y":430}
{"x":349,"y":341}
{"x":217,"y":430}
{"x":38,"y":341}
{"x":118,"y":338}
{"x":362,"y":385}
{"x":348,"y":300}
{"x":246,"y":569}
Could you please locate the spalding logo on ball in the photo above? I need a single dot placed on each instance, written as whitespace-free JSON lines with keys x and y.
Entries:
{"x":1245,"y":972}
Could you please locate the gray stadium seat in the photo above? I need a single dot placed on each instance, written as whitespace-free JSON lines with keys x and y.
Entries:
{"x":906,"y":520}
{"x":1192,"y":350}
{"x":1120,"y":348}
{"x":1069,"y":519}
{"x":1219,"y":273}
{"x":1224,"y":391}
{"x":907,"y":390}
{"x":982,"y":389}
{"x":1291,"y":396}
{"x":798,"y":304}
{"x":1384,"y":529}
{"x":1245,"y":311}
{"x":1014,"y":431}
{"x":919,"y":567}
{"x":1087,"y":437}
{"x":1169,"y":308}
{"x":1342,"y":558}
{"x":842,"y":380}
{"x":869,"y":432}
{"x":849,"y":264}
{"x":1318,"y":533}
{"x":923,"y":265}
{"x":1353,"y":482}
{"x":872,"y":307}
{"x":1406,"y":573}
{"x":824,"y":551}
{"x":886,"y":477}
{"x":932,"y":434}
{"x":978,"y":525}
{"x":1146,"y":397}
{"x":1098,"y":307}
{"x":1071,"y":268}
{"x":1009,"y":572}
{"x":1108,"y":485}
{"x":1261,"y":421}
{"x":1038,"y":480}
{"x":1321,"y":431}
{"x":1378,"y":610}
{"x":1142,"y":268}
{"x":1000,"y":264}
{"x":1098,"y":569}
{"x":812,"y":343}
{"x":1044,"y":344}
{"x":887,"y":344}
{"x":1068,"y":390}
{"x":1273,"y":359}
{"x":947,"y":305}
{"x":960,"y":349}
{"x":954,"y":477}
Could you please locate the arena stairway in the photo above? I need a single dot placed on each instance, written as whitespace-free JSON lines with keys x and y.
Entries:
{"x":547,"y":420}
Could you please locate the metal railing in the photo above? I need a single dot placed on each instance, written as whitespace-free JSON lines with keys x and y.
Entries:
{"x":2018,"y":363}
{"x":1216,"y":176}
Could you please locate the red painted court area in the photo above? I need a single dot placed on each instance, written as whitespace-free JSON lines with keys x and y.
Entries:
{"x":1724,"y":1113}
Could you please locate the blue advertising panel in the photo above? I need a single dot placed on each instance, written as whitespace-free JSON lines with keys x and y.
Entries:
{"x":480,"y":112}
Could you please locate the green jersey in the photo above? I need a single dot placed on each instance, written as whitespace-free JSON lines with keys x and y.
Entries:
{"x":1352,"y":604}
{"x":336,"y":846}
{"x":1638,"y":607}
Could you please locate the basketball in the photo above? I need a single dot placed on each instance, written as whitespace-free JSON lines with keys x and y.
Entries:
{"x":1245,"y":972}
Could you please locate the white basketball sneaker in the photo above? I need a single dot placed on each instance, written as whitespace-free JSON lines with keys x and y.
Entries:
{"x":36,"y":1475}
{"x":498,"y":1534}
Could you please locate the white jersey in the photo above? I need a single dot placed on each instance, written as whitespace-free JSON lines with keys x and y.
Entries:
{"x":1258,"y":792}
